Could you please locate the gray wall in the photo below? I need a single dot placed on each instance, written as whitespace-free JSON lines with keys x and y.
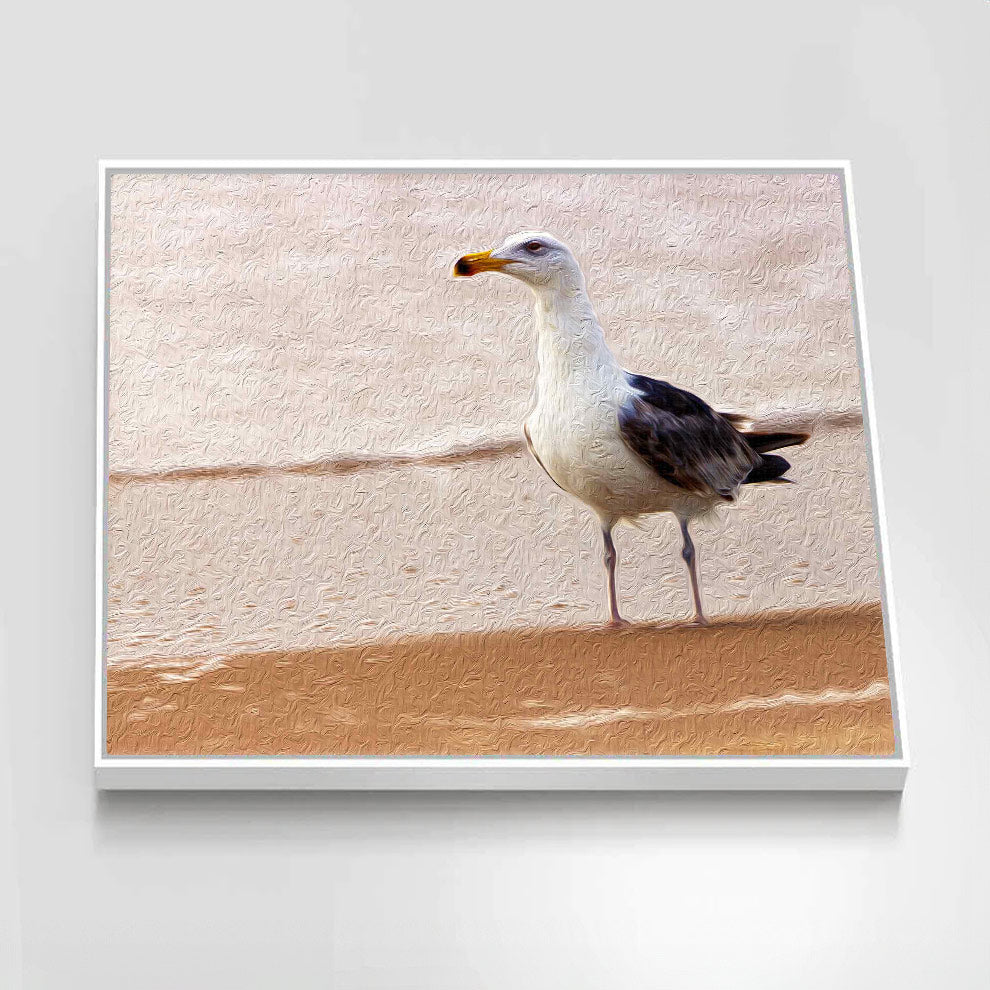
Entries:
{"x":309,"y":890}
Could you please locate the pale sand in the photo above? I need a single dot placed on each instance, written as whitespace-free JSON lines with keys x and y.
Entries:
{"x":232,"y":565}
{"x":808,"y":683}
{"x":294,"y":349}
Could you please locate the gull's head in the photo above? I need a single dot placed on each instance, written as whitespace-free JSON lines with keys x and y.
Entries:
{"x":533,"y":257}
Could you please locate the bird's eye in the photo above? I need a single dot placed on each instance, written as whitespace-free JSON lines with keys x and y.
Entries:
{"x":534,"y":247}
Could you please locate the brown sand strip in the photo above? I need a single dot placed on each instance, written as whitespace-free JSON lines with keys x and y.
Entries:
{"x":785,"y":683}
{"x":460,"y":454}
{"x":346,"y":464}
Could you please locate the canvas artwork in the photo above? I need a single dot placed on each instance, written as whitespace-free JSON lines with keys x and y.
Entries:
{"x":487,"y":463}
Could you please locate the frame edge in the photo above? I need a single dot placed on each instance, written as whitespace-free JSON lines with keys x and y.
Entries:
{"x":478,"y":774}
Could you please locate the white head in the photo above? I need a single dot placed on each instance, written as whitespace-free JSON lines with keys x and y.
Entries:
{"x":533,"y":257}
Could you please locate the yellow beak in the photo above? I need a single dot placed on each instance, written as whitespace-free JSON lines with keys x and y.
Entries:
{"x":483,"y":261}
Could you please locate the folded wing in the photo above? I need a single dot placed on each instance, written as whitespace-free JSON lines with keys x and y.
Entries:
{"x":683,"y":439}
{"x":694,"y":447}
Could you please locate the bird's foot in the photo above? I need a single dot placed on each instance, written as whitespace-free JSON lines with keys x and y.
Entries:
{"x":617,"y":622}
{"x":699,"y":620}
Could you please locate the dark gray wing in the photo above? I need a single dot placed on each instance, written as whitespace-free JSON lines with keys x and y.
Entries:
{"x":683,"y":439}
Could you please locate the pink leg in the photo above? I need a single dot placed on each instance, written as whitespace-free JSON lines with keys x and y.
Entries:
{"x":611,"y":558}
{"x":691,"y":559}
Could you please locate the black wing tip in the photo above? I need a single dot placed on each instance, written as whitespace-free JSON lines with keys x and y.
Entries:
{"x":764,"y":442}
{"x":770,"y":468}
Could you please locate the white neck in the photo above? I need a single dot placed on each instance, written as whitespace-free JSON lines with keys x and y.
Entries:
{"x":570,"y":340}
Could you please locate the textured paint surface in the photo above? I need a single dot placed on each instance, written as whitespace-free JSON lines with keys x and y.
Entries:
{"x":319,"y":501}
{"x":755,"y":687}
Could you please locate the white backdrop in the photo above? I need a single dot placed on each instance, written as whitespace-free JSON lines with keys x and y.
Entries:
{"x":436,"y":892}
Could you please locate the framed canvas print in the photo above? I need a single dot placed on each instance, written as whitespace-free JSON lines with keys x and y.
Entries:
{"x":488,"y":475}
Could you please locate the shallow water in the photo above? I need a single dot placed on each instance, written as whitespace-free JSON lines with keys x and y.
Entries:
{"x":279,"y":319}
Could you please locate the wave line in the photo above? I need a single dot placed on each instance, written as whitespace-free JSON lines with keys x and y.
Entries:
{"x":807,"y":420}
{"x":604,"y":716}
{"x":345,"y":464}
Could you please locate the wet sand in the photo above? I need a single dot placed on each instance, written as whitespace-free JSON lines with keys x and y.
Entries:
{"x":787,"y":683}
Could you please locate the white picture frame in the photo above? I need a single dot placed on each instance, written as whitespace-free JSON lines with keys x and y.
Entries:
{"x":492,"y":772}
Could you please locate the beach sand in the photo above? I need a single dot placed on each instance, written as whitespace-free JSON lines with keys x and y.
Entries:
{"x":325,"y":536}
{"x":224,"y":566}
{"x":784,"y":683}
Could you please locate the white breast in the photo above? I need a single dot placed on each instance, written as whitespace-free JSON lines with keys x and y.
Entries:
{"x":574,"y":430}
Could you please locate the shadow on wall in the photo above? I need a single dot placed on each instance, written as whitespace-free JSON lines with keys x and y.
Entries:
{"x":184,"y":821}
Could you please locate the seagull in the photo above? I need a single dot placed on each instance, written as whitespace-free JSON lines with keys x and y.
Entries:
{"x":623,"y":444}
